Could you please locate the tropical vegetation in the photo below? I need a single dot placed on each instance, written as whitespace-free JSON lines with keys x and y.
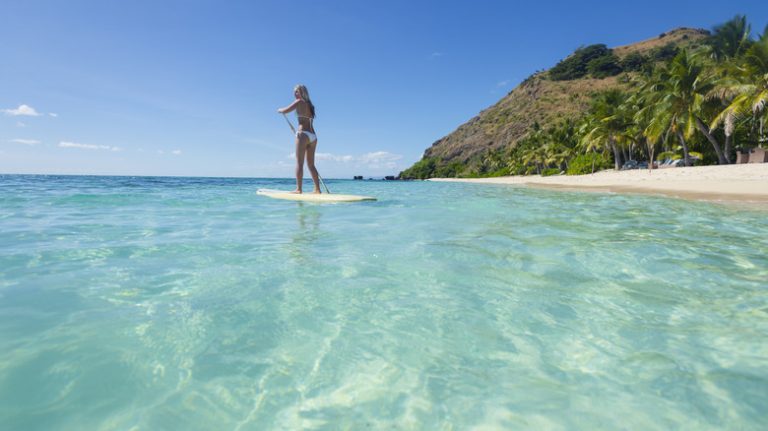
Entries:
{"x":696,"y":103}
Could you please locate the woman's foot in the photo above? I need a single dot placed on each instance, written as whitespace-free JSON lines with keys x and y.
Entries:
{"x":296,"y":192}
{"x":317,"y":191}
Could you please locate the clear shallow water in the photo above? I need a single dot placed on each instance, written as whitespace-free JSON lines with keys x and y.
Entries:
{"x":184,"y":303}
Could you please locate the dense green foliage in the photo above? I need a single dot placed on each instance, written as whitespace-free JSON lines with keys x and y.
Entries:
{"x":550,"y":171}
{"x":699,"y":104}
{"x":605,"y":66}
{"x":588,"y":163}
{"x":430,"y":167}
{"x":635,"y":62}
{"x":451,"y":170}
{"x":421,"y":170}
{"x":731,"y":39}
{"x":582,"y":61}
{"x":664,"y":53}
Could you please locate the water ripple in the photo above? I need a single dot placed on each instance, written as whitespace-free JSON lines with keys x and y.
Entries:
{"x":192,"y":303}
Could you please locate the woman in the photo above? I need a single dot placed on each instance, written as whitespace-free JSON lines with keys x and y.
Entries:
{"x":306,"y":140}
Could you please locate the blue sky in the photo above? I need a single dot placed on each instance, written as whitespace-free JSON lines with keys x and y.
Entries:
{"x":192,"y":87}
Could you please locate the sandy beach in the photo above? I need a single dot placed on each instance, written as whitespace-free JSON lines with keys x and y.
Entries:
{"x":740,"y":183}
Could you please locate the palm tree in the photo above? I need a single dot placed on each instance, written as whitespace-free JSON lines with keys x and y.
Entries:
{"x":684,"y":84}
{"x":747,"y":88}
{"x":559,"y":141}
{"x":561,"y":155}
{"x":650,"y":118}
{"x":730,"y":39}
{"x":608,"y":123}
{"x":492,"y":161}
{"x":641,"y":118}
{"x":534,"y":155}
{"x":592,"y":137}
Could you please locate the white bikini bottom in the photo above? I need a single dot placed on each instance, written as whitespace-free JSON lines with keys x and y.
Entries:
{"x":312,"y":137}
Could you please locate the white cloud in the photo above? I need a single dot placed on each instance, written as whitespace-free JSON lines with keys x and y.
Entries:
{"x":436,"y":54}
{"x":374,"y":160}
{"x":380,"y":157}
{"x":176,"y":152}
{"x":377,"y":163}
{"x":25,"y":141}
{"x":161,"y":152}
{"x":53,"y":114}
{"x":333,"y":157}
{"x":77,"y":145}
{"x":503,"y":83}
{"x":20,"y":124}
{"x":24,"y":110}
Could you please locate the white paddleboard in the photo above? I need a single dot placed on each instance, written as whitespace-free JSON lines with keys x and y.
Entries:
{"x":312,"y":197}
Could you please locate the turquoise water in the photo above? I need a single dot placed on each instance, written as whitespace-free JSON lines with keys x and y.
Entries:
{"x":192,"y":303}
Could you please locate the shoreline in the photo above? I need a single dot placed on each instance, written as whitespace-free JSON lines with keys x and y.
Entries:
{"x":746,"y":183}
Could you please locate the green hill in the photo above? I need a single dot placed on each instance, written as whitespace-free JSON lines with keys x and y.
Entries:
{"x":543,"y":99}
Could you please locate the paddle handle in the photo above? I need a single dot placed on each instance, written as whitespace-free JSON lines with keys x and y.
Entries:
{"x":289,"y":123}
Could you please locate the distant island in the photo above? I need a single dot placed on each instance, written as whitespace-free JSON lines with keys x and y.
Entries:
{"x":687,"y":96}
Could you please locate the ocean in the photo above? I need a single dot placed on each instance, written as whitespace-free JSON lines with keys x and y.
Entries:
{"x":166,"y":303}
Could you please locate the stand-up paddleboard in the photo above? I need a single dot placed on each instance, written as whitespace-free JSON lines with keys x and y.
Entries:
{"x":312,"y":197}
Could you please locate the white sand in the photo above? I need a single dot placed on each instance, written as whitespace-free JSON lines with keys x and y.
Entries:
{"x":743,"y":182}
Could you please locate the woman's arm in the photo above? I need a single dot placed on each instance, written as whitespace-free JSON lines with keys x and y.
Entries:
{"x":290,"y":107}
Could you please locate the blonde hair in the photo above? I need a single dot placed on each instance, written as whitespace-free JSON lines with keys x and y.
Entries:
{"x":304,"y":95}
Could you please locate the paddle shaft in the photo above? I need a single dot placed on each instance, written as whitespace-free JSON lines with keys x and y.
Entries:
{"x":294,"y":133}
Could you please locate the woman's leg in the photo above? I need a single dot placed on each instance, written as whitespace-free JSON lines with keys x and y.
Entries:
{"x":301,"y":148}
{"x":311,"y":165}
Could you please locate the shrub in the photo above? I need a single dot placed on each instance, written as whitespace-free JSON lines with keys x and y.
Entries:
{"x":423,"y":169}
{"x":550,"y":171}
{"x":530,"y":170}
{"x":499,"y":173}
{"x":634,"y":62}
{"x":582,"y":164}
{"x":666,"y":52}
{"x":604,"y":66}
{"x":451,"y":170}
{"x":517,"y":168}
{"x":575,"y":65}
{"x":668,"y":155}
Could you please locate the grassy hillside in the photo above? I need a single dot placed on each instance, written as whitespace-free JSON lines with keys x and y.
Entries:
{"x":545,"y":98}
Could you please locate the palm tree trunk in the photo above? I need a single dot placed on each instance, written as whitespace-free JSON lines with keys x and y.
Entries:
{"x":649,"y":147}
{"x":716,"y":145}
{"x":616,"y":153}
{"x":728,"y":128}
{"x":686,"y":159}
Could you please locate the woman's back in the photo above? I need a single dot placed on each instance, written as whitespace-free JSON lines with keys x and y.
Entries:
{"x":305,"y":116}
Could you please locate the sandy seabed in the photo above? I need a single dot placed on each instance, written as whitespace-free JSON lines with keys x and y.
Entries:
{"x":730,"y":183}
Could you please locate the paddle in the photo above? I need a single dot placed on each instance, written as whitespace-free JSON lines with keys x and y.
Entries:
{"x":293,"y":129}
